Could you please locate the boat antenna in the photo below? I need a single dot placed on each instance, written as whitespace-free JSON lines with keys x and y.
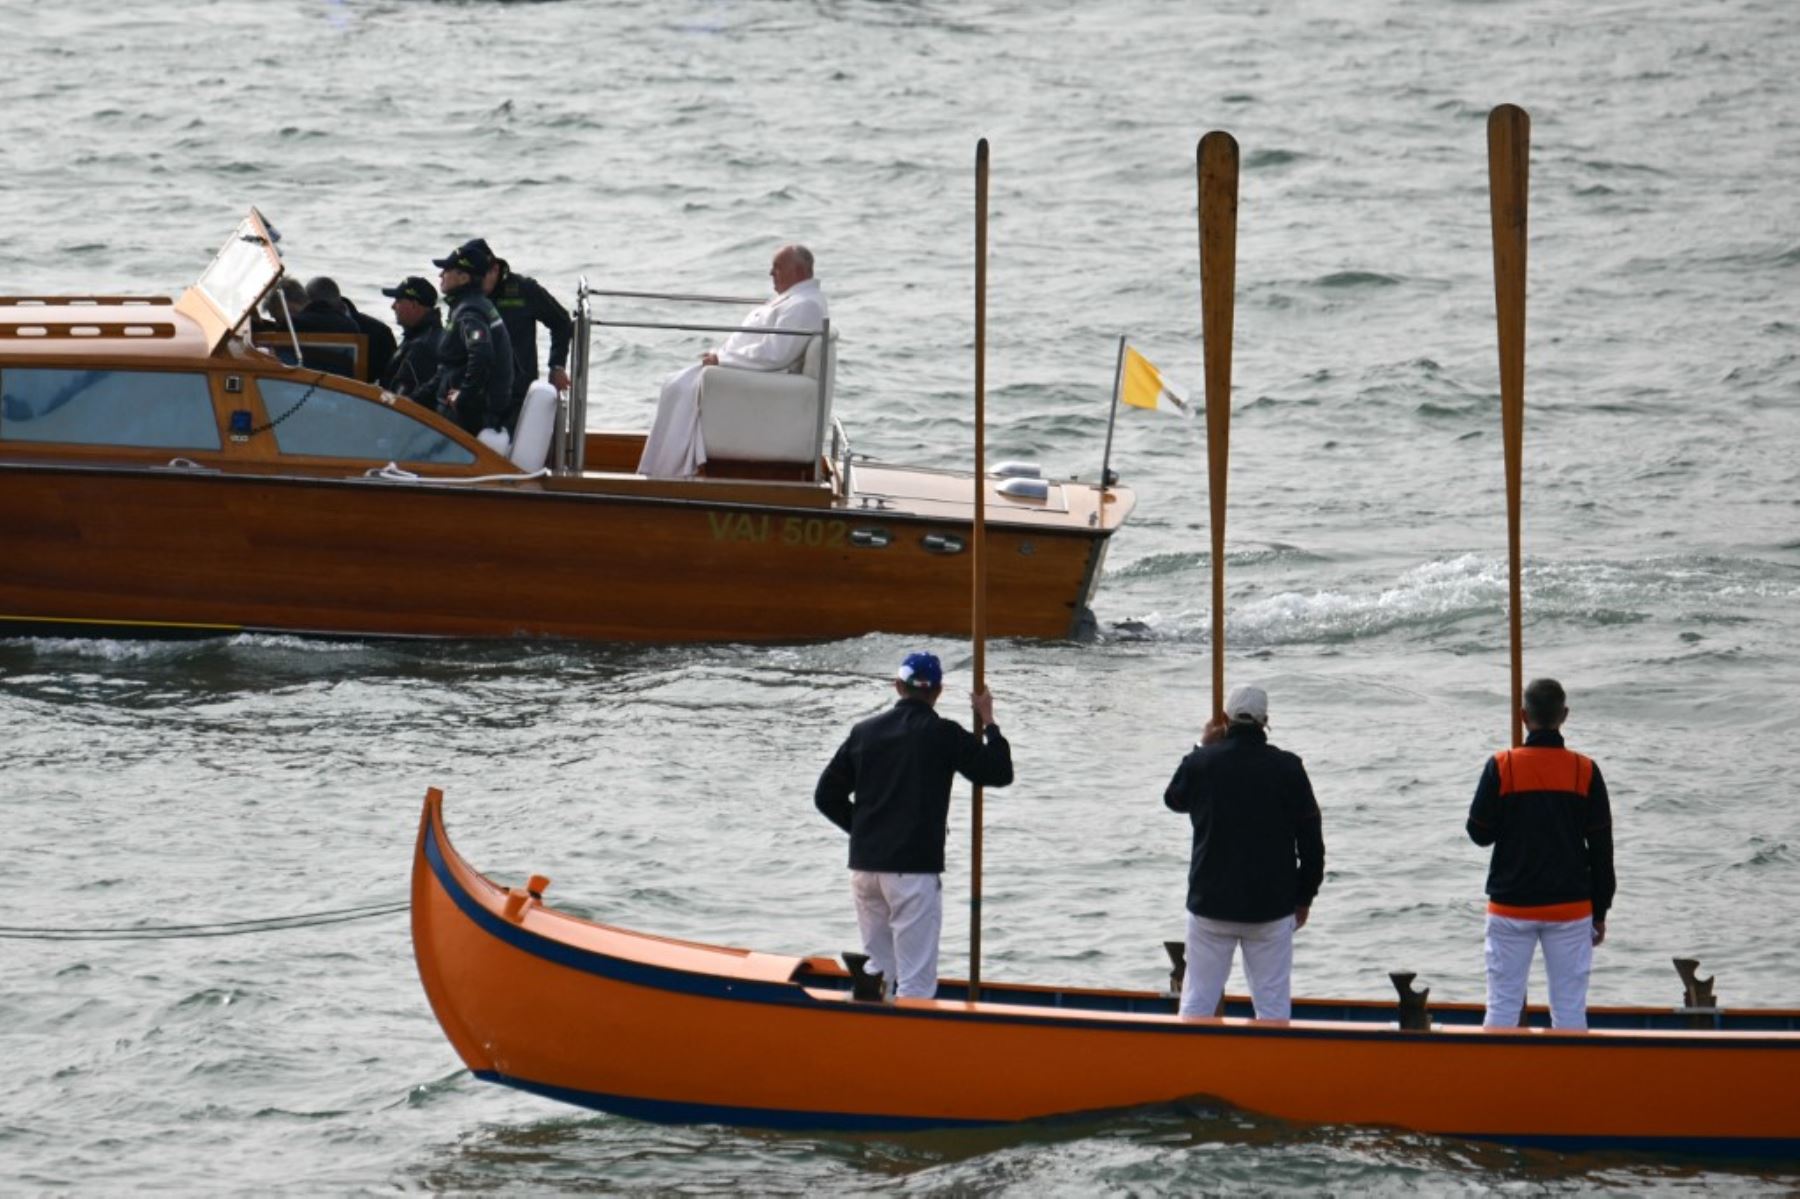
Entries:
{"x":1509,"y":170}
{"x":978,"y":546}
{"x":1216,"y":163}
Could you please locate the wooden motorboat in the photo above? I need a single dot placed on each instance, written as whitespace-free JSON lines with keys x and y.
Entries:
{"x":165,"y":472}
{"x":671,"y":1030}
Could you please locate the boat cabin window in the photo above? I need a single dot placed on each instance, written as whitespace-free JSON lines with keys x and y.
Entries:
{"x":163,"y":410}
{"x":312,"y":419}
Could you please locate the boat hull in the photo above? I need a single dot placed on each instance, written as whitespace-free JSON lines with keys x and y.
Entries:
{"x":171,"y":552}
{"x":673,"y":1031}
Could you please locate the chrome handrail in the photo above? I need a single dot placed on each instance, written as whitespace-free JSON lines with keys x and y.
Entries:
{"x":574,"y":436}
{"x":679,"y":297}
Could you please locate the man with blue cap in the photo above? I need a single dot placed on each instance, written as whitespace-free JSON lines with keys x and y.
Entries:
{"x":899,"y":766}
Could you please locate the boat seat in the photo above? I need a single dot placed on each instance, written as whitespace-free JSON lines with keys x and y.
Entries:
{"x":770,"y":416}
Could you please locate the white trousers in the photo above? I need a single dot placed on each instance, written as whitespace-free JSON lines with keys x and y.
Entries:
{"x":1568,"y":958}
{"x":900,"y":916}
{"x":674,"y":449}
{"x":1268,"y":964}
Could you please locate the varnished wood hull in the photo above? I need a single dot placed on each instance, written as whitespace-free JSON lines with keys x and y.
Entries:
{"x":169,"y":552}
{"x":678,"y":1031}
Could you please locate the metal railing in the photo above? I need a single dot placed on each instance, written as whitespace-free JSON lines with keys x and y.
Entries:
{"x":570,"y":438}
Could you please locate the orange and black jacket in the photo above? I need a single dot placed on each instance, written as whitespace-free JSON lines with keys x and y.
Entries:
{"x":1543,"y":808}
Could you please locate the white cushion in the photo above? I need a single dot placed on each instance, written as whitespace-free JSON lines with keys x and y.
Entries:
{"x":768,"y":416}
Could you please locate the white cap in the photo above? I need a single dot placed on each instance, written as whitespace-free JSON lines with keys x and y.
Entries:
{"x":1247,"y":705}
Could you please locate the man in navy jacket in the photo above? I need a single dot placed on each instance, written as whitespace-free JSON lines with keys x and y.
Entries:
{"x":1258,"y":857}
{"x":899,"y":766}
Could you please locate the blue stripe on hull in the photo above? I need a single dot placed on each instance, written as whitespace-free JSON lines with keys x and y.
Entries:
{"x":663,"y":1111}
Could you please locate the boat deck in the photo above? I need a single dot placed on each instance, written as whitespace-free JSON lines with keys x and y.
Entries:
{"x":821,"y":975}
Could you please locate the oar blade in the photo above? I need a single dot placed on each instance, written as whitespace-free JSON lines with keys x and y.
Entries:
{"x":1216,"y":162}
{"x":1509,"y":176}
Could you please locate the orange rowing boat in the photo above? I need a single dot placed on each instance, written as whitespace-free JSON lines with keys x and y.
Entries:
{"x":676,"y":1031}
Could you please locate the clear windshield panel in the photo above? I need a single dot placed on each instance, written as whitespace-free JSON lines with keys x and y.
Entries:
{"x":245,"y":268}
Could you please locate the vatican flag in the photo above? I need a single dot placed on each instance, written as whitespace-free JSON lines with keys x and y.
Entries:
{"x":1143,"y":386}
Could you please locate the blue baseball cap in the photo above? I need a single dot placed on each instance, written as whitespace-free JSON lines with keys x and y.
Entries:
{"x":921,"y":671}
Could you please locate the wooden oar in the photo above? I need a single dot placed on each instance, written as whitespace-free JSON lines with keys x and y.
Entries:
{"x":1509,"y":169}
{"x":978,"y":545}
{"x":1217,"y":164}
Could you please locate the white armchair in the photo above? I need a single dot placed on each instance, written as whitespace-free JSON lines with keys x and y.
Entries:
{"x":771,"y":416}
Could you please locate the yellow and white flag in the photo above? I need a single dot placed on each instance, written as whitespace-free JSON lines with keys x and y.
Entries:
{"x":1143,"y":386}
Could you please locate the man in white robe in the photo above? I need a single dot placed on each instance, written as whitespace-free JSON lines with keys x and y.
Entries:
{"x":675,"y":448}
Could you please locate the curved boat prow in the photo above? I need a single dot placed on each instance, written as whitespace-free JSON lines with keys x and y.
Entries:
{"x":435,"y":923}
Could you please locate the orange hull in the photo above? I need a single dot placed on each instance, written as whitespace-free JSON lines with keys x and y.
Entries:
{"x":670,"y":1030}
{"x":147,"y":551}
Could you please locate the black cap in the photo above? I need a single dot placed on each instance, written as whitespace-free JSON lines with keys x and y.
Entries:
{"x":413,"y":288}
{"x":472,"y":256}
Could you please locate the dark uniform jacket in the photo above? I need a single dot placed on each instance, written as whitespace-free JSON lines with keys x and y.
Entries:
{"x":415,"y":363}
{"x":900,"y":765}
{"x":475,"y":361}
{"x":1544,"y":809}
{"x":381,"y":339}
{"x":524,"y":305}
{"x":1259,"y":850}
{"x":324,"y":316}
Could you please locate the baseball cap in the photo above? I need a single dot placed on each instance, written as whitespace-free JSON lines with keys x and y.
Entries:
{"x":1247,"y":705}
{"x":472,"y":256}
{"x":921,"y":671}
{"x":413,"y":288}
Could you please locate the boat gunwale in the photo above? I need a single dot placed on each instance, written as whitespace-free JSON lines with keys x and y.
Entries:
{"x":446,"y":864}
{"x":533,"y":488}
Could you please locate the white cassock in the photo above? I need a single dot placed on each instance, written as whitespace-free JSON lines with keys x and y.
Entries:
{"x":675,"y":449}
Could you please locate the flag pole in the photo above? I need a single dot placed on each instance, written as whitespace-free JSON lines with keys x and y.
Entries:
{"x":978,"y":547}
{"x":1216,"y":161}
{"x":1112,"y":417}
{"x":1509,"y":171}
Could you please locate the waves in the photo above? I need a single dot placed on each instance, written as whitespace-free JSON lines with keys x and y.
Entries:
{"x":1464,"y":596}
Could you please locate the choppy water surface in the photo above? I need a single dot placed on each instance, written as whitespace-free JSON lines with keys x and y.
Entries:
{"x":672,"y":146}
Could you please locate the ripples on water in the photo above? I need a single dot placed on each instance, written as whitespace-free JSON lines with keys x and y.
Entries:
{"x":651,"y":146}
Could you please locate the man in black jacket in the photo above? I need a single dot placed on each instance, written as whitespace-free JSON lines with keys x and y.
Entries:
{"x":900,"y":765}
{"x":325,"y":297}
{"x":1544,"y":809}
{"x":1258,"y":857}
{"x":474,"y":378}
{"x":524,"y":305}
{"x":415,"y":361}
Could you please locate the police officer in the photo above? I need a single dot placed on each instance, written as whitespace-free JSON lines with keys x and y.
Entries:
{"x":415,"y":362}
{"x":475,"y":362}
{"x":524,"y":305}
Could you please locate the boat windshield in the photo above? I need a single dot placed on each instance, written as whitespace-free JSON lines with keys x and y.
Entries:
{"x":242,"y":272}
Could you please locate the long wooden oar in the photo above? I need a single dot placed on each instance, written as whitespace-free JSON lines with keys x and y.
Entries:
{"x":1509,"y":170}
{"x":1216,"y":160}
{"x":978,"y":544}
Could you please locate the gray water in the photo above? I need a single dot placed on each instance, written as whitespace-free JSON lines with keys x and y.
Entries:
{"x":672,"y":146}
